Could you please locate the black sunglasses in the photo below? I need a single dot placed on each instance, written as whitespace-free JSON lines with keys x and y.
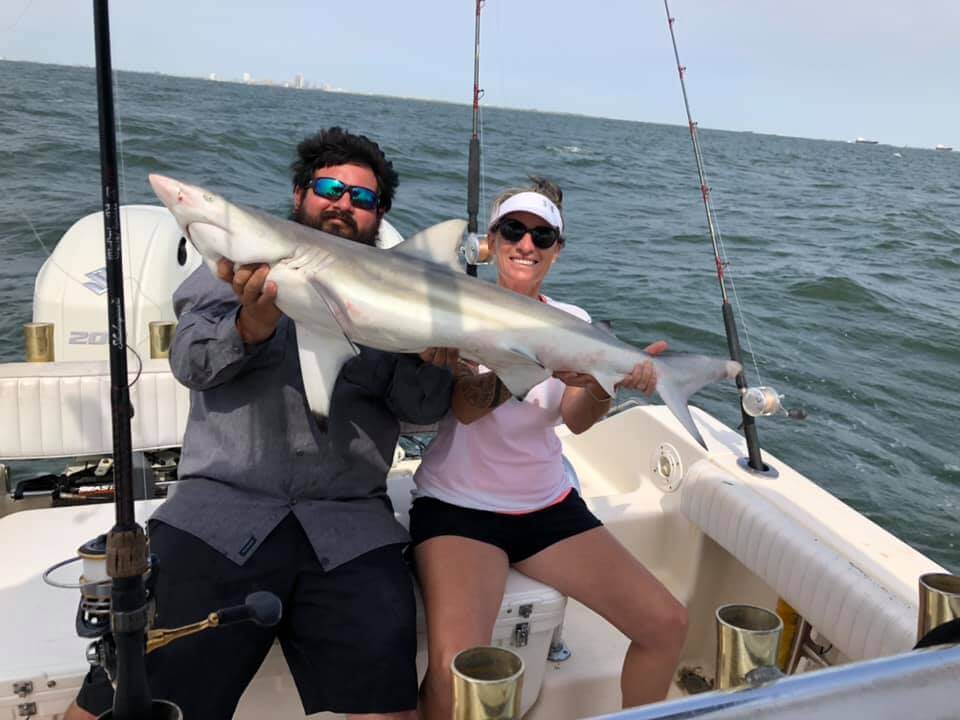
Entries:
{"x":333,"y":189}
{"x":513,"y":230}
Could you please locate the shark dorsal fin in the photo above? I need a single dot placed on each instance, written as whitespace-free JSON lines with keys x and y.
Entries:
{"x":439,"y":244}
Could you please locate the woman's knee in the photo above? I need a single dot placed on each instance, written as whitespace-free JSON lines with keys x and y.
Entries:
{"x":669,"y":624}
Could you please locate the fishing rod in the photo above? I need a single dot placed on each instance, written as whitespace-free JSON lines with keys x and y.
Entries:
{"x":126,"y":542}
{"x":473,"y":252}
{"x":754,"y":401}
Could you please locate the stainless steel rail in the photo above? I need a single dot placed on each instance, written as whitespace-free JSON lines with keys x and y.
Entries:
{"x":918,"y":685}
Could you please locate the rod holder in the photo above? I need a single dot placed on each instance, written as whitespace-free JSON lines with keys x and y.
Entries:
{"x":487,"y":684}
{"x":939,"y":601}
{"x":748,"y":638}
{"x":38,"y":341}
{"x":161,"y":335}
{"x":159,"y":710}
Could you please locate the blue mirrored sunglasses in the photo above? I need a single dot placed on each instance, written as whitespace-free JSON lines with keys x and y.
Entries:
{"x":332,"y":189}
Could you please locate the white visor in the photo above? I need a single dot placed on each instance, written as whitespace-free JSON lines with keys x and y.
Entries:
{"x":531,"y":202}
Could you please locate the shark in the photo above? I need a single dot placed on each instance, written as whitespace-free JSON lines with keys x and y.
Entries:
{"x":415,"y":295}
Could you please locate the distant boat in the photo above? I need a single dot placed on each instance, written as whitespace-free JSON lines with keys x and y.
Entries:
{"x":864,"y":141}
{"x":943,"y":147}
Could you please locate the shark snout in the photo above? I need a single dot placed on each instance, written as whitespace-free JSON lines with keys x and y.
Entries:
{"x":167,"y":189}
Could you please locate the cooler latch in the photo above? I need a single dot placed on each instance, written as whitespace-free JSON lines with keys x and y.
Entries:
{"x":521,"y":634}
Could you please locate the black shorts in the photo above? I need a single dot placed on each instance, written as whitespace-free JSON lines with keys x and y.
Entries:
{"x":348,"y":634}
{"x":519,"y":536}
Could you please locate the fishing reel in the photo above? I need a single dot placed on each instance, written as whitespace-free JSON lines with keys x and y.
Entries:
{"x":94,"y":611}
{"x":764,"y":401}
{"x":475,"y":249}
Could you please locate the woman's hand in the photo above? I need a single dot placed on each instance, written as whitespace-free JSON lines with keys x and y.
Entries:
{"x":643,"y":377}
{"x":259,"y":313}
{"x":583,"y":380}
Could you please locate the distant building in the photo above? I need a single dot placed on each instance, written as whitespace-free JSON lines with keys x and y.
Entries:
{"x":298,"y":81}
{"x":247,"y":78}
{"x":212,"y":76}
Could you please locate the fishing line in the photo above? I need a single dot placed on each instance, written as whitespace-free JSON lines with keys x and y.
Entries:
{"x":713,"y":225}
{"x":16,"y":22}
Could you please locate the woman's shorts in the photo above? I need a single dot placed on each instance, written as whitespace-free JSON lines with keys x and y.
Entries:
{"x":519,"y":536}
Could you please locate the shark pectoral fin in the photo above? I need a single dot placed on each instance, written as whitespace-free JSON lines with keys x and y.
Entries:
{"x":519,"y":379}
{"x":439,"y":244}
{"x":680,"y":376}
{"x":517,"y":370}
{"x":322,"y":355}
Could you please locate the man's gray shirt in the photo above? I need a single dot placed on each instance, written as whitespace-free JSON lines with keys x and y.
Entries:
{"x":253,"y":452}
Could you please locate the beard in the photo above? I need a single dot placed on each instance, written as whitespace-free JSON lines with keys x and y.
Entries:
{"x":336,"y":223}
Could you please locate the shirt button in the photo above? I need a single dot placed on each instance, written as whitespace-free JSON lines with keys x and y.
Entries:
{"x":293,"y":502}
{"x":299,"y":453}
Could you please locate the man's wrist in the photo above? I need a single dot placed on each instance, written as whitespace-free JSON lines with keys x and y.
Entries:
{"x":251,"y":335}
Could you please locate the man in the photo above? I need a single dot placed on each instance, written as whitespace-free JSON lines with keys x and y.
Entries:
{"x":274,"y":498}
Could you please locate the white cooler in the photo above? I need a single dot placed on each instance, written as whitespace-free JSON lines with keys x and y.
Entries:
{"x":42,"y":660}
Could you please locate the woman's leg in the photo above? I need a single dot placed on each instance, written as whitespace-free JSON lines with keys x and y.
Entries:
{"x":595,"y":569}
{"x":462,"y":583}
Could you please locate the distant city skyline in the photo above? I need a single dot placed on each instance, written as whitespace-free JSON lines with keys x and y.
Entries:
{"x":875,"y":70}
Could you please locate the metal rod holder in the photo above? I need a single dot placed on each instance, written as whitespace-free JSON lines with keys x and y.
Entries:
{"x":939,"y":601}
{"x":38,"y":341}
{"x":161,"y":335}
{"x":748,"y":638}
{"x":487,"y":684}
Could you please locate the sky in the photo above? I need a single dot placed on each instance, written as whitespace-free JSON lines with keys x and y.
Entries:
{"x":832,"y":69}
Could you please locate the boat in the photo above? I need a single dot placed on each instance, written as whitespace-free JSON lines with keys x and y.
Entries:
{"x":864,"y":141}
{"x":946,"y":148}
{"x":715,"y":530}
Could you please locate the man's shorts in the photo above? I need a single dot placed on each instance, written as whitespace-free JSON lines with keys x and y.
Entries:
{"x":519,"y":536}
{"x":348,"y":634}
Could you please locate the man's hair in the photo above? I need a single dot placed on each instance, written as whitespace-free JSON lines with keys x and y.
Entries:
{"x":541,"y":185}
{"x":336,"y":146}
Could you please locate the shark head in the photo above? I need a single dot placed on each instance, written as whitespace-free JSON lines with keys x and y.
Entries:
{"x":217,"y":228}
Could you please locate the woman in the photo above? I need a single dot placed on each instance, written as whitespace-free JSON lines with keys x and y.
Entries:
{"x":492,"y":493}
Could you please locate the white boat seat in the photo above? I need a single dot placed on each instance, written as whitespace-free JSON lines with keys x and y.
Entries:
{"x":861,"y":617}
{"x":62,"y":409}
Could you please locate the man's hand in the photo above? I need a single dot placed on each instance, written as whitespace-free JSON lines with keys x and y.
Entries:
{"x":643,"y":377}
{"x":259,"y":313}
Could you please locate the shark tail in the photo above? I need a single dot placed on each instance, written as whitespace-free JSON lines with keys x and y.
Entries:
{"x":680,"y":376}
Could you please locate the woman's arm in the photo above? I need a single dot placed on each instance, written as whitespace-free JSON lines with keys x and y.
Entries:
{"x":585,"y":401}
{"x":476,"y":394}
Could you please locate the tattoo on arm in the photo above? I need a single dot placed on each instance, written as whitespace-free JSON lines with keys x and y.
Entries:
{"x":485,"y":391}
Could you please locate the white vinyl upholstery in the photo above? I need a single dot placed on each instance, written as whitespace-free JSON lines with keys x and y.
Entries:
{"x":860,"y":617}
{"x":62,"y":409}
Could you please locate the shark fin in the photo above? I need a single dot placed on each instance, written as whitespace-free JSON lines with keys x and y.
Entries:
{"x":680,"y":376}
{"x":439,"y":244}
{"x":608,"y":382}
{"x":518,"y":370}
{"x":322,"y":355}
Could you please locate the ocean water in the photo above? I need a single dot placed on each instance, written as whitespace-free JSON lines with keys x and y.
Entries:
{"x":845,"y":258}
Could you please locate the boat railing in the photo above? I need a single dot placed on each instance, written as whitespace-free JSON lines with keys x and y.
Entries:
{"x":918,"y":684}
